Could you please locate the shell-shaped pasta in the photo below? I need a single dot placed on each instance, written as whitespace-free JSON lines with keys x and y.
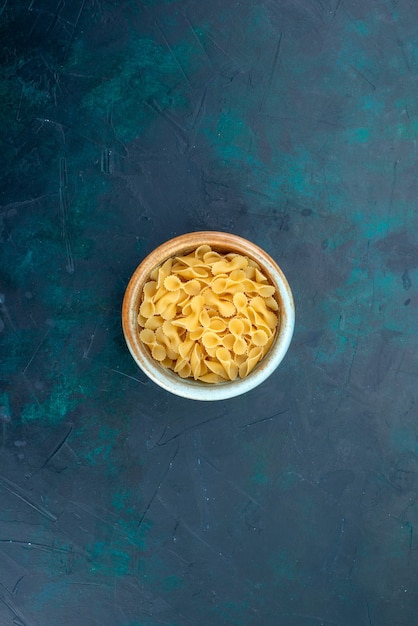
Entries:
{"x":163,"y":272}
{"x":147,"y":337}
{"x":147,"y":308}
{"x":265,"y":291}
{"x":183,"y":368}
{"x":185,"y":348}
{"x":259,"y":276}
{"x":184,"y":298}
{"x":202,"y":250}
{"x":250,"y":272}
{"x":225,"y":267}
{"x":212,"y":378}
{"x":208,"y":316}
{"x":170,"y":311}
{"x":197,"y":333}
{"x":158,"y":352}
{"x":211,"y":339}
{"x":172,"y":282}
{"x":170,"y":297}
{"x":191,"y":322}
{"x":153,"y":322}
{"x":141,"y":320}
{"x":217,"y":324}
{"x":225,"y":358}
{"x":211,"y":257}
{"x":171,"y":332}
{"x":239,"y":359}
{"x":240,"y":346}
{"x":189,"y":273}
{"x":228,"y":341}
{"x":191,"y":260}
{"x":216,"y":368}
{"x":247,"y":325}
{"x":150,"y":288}
{"x":219,"y":285}
{"x":259,"y":306}
{"x":240,"y":301}
{"x":253,"y":358}
{"x":271,"y":303}
{"x":236,"y":326}
{"x":237,"y":276}
{"x":226,"y":308}
{"x":259,"y":337}
{"x":204,"y":318}
{"x":192,"y":287}
{"x":196,"y":361}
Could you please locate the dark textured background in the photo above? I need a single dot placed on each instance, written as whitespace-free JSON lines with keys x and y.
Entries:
{"x":292,"y":123}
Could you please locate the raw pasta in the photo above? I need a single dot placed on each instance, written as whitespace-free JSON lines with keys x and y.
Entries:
{"x":208,"y":316}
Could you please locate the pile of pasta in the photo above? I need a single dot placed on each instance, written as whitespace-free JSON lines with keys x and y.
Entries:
{"x":208,"y":316}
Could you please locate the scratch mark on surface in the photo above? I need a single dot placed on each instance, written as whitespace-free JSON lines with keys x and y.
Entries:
{"x":179,"y":132}
{"x":350,"y":573}
{"x":157,"y":488}
{"x":316,"y":618}
{"x":201,"y":483}
{"x":106,"y":161}
{"x":61,"y":5}
{"x":401,"y":46}
{"x":221,"y":49}
{"x":259,"y":194}
{"x":196,"y":37}
{"x":64,"y":213}
{"x":5,"y":208}
{"x":20,"y":104}
{"x":328,"y":566}
{"x":200,"y":110}
{"x":170,"y":49}
{"x":22,"y":495}
{"x":87,"y":350}
{"x":141,"y":382}
{"x":392,"y":191}
{"x":83,"y":3}
{"x":36,"y":350}
{"x":372,"y":85}
{"x":114,"y":525}
{"x":61,"y":127}
{"x":265,"y":419}
{"x":55,"y":451}
{"x":274,"y":65}
{"x":17,"y":583}
{"x":231,"y":482}
{"x":3,"y":7}
{"x":13,"y":609}
{"x":191,"y":531}
{"x":411,"y":537}
{"x":334,"y":13}
{"x":189,"y":428}
{"x":41,"y":546}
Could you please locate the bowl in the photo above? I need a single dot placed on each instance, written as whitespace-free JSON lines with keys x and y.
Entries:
{"x":188,"y":387}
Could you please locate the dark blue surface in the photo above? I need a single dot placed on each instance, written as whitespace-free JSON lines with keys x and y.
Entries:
{"x":293,"y":124}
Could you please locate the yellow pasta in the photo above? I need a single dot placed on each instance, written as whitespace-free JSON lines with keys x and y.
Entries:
{"x":208,"y":316}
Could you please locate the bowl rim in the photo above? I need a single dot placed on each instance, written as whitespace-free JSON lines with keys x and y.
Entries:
{"x":189,"y":388}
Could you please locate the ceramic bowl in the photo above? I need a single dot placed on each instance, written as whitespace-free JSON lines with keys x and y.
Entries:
{"x":188,"y":387}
